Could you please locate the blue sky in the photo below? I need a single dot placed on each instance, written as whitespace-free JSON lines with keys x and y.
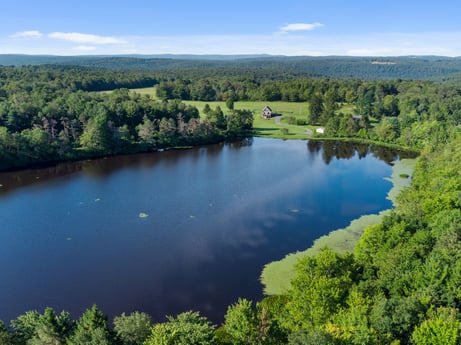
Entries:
{"x":288,"y":27}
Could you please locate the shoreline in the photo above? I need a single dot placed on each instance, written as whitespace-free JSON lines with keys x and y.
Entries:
{"x":276,"y":275}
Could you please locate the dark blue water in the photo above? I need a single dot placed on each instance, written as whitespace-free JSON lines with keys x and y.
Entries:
{"x":72,"y":235}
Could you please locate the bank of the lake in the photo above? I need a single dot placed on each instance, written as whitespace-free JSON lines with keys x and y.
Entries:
{"x":276,"y":276}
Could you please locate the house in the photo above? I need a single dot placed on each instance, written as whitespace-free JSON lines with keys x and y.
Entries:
{"x":267,"y":112}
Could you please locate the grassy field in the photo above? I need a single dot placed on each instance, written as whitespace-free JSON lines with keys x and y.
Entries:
{"x":272,"y":128}
{"x":276,"y":276}
{"x":151,"y":91}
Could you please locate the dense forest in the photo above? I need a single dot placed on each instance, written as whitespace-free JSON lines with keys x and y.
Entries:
{"x":51,"y":113}
{"x":371,"y":68}
{"x":402,"y":283}
{"x":47,"y":114}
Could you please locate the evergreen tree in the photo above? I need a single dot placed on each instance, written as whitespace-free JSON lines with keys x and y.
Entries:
{"x":91,"y":329}
{"x":315,"y":109}
{"x":5,"y":336}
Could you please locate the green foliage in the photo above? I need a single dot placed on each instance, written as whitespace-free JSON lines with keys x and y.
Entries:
{"x":403,"y":283}
{"x":132,"y":329}
{"x":37,"y":329}
{"x":352,"y":325}
{"x":315,"y":109}
{"x":5,"y":336}
{"x":24,"y":326}
{"x":96,"y":136}
{"x":245,"y":324}
{"x":52,"y":329}
{"x":241,"y":322}
{"x":444,"y":327}
{"x":186,"y":328}
{"x":46,"y":115}
{"x":146,"y":132}
{"x":239,"y":122}
{"x":230,"y":103}
{"x":320,"y":287}
{"x":91,"y":329}
{"x":217,"y":118}
{"x":312,"y":337}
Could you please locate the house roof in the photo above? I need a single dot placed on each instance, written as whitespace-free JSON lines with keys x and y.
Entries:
{"x":267,"y":108}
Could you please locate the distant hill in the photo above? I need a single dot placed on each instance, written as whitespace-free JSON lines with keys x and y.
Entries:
{"x":405,"y":67}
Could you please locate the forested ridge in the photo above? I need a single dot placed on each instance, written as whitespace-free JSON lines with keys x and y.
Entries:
{"x":371,"y":68}
{"x":402,"y":283}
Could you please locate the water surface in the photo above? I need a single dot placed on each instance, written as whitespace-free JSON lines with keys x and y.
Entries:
{"x":72,"y":235}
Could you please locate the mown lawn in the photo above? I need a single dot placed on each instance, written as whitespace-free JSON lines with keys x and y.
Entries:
{"x":271,"y":128}
{"x":151,"y":91}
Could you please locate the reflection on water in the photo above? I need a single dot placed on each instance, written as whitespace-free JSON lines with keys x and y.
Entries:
{"x":345,"y":150}
{"x":71,"y":235}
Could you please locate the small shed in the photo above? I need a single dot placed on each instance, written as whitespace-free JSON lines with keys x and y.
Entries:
{"x":267,"y":112}
{"x":320,"y":130}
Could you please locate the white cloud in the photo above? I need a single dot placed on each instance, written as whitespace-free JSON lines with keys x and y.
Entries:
{"x":301,"y":27}
{"x":85,"y":48}
{"x":77,"y":37}
{"x":27,"y":34}
{"x":367,"y":43}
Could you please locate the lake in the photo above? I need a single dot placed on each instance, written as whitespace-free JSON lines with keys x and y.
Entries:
{"x":172,"y":231}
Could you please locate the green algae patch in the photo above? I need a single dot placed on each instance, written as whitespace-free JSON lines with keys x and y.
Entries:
{"x":276,"y":276}
{"x":401,"y":177}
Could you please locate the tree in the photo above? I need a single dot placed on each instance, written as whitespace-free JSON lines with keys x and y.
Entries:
{"x":187,"y":328}
{"x":388,"y":130}
{"x":315,"y":108}
{"x":37,"y":146}
{"x":24,"y":326}
{"x":206,"y":109}
{"x":230,"y":103}
{"x":329,"y":107}
{"x":320,"y":287}
{"x":313,"y":337}
{"x":239,"y":121}
{"x":241,"y":323}
{"x":217,"y":118}
{"x":442,"y":328}
{"x":167,"y":131}
{"x":348,"y":126}
{"x":33,"y":328}
{"x":365,"y":100}
{"x":5,"y":336}
{"x":146,"y":131}
{"x":91,"y":329}
{"x":391,"y":105}
{"x":52,"y":329}
{"x":132,"y":329}
{"x":96,"y":136}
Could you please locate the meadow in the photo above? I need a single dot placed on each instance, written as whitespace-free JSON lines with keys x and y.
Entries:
{"x":270,"y":128}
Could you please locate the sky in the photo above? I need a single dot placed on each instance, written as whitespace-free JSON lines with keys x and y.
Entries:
{"x":285,"y":27}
